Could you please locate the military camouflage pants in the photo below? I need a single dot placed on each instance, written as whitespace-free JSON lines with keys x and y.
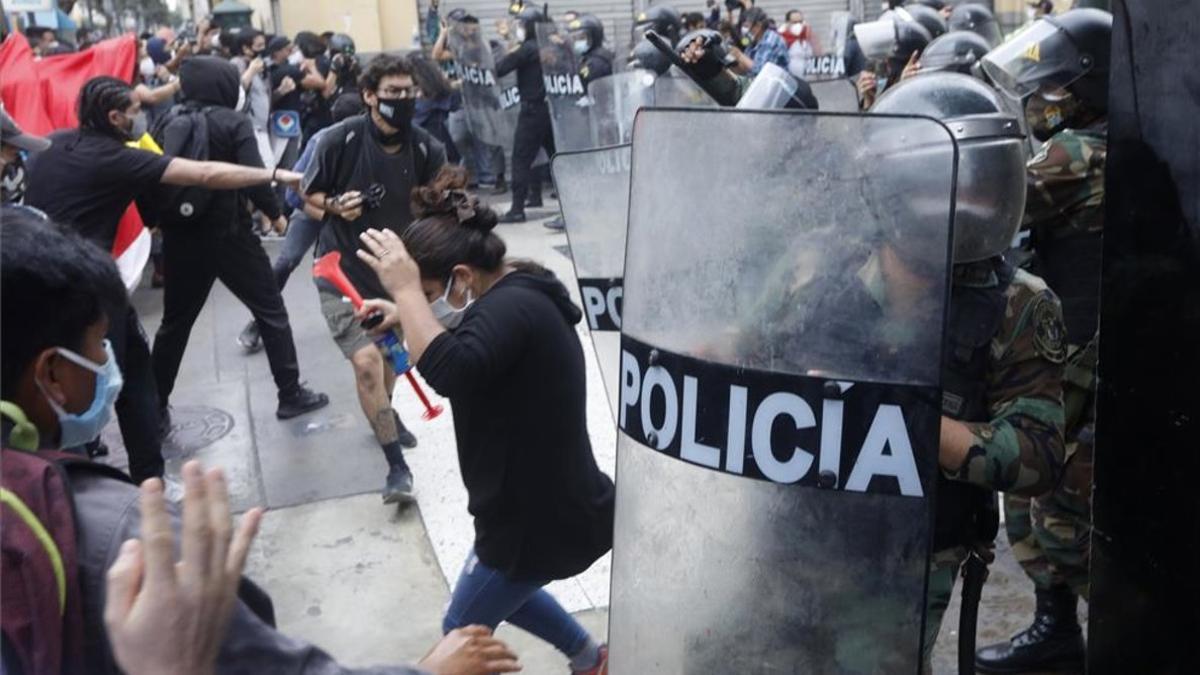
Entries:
{"x":1051,"y":535}
{"x":943,"y":573}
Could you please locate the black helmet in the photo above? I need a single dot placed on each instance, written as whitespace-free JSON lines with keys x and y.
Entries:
{"x":589,"y":25}
{"x":990,"y":198}
{"x":662,"y":20}
{"x":958,"y":51}
{"x":1069,"y":51}
{"x":938,"y":5}
{"x":528,"y":17}
{"x":341,"y":43}
{"x":977,"y":19}
{"x":929,"y":18}
{"x":647,"y":56}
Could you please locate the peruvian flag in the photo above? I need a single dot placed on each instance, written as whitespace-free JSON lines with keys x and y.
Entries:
{"x":42,"y":96}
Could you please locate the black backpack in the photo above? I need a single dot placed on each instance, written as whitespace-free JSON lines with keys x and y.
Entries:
{"x":183,"y":132}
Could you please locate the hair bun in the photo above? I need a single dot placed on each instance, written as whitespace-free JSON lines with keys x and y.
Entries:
{"x":446,"y":194}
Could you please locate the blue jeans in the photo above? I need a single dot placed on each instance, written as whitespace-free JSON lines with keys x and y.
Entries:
{"x":302,"y":233}
{"x":485,"y":596}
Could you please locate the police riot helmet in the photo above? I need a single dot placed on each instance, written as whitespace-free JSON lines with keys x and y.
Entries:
{"x":958,"y":51}
{"x":661,"y":19}
{"x":646,"y":56}
{"x":990,"y":196}
{"x":341,"y":43}
{"x":589,"y":26}
{"x":929,"y":19}
{"x":1069,"y":51}
{"x":527,"y":17}
{"x":976,"y":19}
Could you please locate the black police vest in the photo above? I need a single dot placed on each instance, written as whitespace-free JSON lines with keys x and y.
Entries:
{"x":967,"y":513}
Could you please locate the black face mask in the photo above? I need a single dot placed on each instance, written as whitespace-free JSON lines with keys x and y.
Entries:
{"x":398,"y":113}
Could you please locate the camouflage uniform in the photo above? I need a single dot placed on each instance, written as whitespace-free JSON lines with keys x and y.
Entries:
{"x":1020,"y":448}
{"x":1050,"y":534}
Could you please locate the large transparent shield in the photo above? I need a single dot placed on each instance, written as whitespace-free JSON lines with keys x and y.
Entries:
{"x":785,"y":295}
{"x":593,"y":192}
{"x":838,"y":95}
{"x":490,"y":103}
{"x":674,"y":89}
{"x":570,"y":107}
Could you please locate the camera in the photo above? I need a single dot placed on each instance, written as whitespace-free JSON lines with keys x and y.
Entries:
{"x":373,"y":196}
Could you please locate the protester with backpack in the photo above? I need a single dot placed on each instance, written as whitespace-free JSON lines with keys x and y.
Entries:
{"x":81,"y":594}
{"x":207,"y":235}
{"x":361,"y":177}
{"x":87,"y":179}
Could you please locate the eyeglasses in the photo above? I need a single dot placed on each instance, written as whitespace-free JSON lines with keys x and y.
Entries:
{"x":398,"y":92}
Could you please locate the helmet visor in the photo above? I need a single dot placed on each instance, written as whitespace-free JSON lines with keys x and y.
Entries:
{"x":1040,"y":57}
{"x":876,"y":38}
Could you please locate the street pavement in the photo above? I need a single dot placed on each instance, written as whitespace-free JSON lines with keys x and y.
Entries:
{"x":369,"y":583}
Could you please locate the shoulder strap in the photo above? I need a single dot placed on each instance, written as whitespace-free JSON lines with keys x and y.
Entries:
{"x":24,"y":434}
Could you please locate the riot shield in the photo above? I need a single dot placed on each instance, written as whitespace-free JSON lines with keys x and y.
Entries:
{"x":614,"y":101}
{"x":593,"y":192}
{"x":570,"y":107}
{"x":780,"y":392}
{"x":838,"y":95}
{"x":490,"y":103}
{"x":674,"y":89}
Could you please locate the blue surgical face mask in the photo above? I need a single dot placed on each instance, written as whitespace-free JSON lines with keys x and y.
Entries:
{"x":581,"y":47}
{"x":448,"y":315}
{"x":75,"y":430}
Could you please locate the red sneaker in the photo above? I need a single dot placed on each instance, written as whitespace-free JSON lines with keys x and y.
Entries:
{"x":601,"y":667}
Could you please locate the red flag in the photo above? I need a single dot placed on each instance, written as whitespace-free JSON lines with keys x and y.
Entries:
{"x":43,"y":96}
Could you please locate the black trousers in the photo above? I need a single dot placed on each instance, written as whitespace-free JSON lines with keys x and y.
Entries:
{"x":137,"y":406}
{"x":533,"y":133}
{"x":194,"y":260}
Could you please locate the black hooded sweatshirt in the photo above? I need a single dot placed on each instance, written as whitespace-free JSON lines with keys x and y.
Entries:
{"x":514,"y":374}
{"x":214,"y":83}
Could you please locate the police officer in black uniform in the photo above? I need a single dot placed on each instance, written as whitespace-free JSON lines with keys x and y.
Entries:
{"x":533,"y":122}
{"x":587,"y":39}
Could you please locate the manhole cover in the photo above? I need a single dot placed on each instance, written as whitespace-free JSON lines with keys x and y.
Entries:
{"x":197,"y":426}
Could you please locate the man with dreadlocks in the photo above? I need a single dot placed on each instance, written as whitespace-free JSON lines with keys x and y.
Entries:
{"x":86,"y":180}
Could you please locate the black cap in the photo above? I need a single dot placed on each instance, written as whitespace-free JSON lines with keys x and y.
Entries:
{"x":11,"y":134}
{"x":278,"y":42}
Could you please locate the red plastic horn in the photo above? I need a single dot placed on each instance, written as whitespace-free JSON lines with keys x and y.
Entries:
{"x":329,"y":268}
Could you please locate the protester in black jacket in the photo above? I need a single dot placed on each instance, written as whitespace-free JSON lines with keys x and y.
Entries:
{"x":498,"y":339}
{"x":221,"y":245}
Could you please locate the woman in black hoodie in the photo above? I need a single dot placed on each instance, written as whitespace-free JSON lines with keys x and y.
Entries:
{"x":498,"y":339}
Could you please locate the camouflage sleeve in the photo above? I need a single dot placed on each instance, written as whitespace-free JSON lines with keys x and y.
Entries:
{"x":1065,"y":183}
{"x":1020,"y":450}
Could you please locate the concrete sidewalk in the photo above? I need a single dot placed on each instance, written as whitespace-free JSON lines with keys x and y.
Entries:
{"x":369,"y":583}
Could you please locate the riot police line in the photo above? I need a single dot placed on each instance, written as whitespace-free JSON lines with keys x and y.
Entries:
{"x":736,"y":402}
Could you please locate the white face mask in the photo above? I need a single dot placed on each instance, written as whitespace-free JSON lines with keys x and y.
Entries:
{"x":296,"y":58}
{"x":448,"y":315}
{"x":796,"y":29}
{"x":146,"y":68}
{"x":581,"y":47}
{"x":520,"y":34}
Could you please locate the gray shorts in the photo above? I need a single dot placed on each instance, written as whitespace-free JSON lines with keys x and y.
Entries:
{"x":345,"y":329}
